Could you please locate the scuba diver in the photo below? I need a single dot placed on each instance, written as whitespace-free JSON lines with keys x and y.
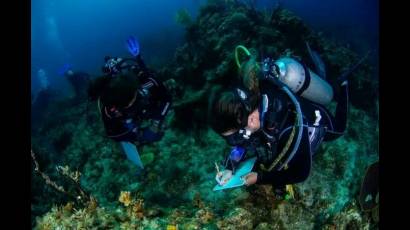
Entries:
{"x":43,"y":98}
{"x":277,"y":115}
{"x":79,"y":81}
{"x":128,"y":95}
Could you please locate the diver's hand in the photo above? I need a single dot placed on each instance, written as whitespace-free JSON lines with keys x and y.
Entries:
{"x":133,"y":46}
{"x":250,"y":178}
{"x":223,"y":177}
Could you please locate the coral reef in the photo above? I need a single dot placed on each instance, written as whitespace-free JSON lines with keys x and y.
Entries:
{"x":175,"y":190}
{"x":183,"y":17}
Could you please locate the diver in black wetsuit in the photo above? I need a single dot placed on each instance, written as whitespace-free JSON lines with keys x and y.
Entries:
{"x":128,"y":95}
{"x":79,"y":81}
{"x":281,"y":128}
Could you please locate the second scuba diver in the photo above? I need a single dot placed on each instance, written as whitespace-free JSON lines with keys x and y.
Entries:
{"x":78,"y":80}
{"x":277,"y":114}
{"x":128,"y":95}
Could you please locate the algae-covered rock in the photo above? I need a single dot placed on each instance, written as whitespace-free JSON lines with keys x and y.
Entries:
{"x":290,"y":216}
{"x":60,"y":218}
{"x":239,"y":218}
{"x":147,"y":158}
{"x":350,"y":218}
{"x":264,"y":226}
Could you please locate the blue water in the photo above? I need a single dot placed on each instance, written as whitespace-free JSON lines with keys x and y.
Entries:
{"x":82,"y":32}
{"x":355,"y":22}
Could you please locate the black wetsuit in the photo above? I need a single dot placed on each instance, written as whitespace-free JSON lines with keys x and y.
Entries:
{"x":126,"y":125}
{"x":278,"y":121}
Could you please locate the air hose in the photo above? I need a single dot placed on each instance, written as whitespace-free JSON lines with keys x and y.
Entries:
{"x":237,"y":49}
{"x":299,"y":123}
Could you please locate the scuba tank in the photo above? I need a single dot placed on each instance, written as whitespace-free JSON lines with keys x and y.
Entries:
{"x":294,"y":74}
{"x":302,"y":81}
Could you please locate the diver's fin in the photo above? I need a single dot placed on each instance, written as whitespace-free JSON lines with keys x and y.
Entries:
{"x":317,"y":61}
{"x":344,"y":75}
{"x":132,"y":153}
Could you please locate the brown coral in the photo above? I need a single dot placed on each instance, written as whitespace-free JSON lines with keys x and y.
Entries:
{"x":204,"y":216}
{"x":138,"y":209}
{"x":68,"y":207}
{"x":92,"y":204}
{"x":197,"y":201}
{"x":177,"y":215}
{"x":239,"y":218}
{"x":125,"y":198}
{"x":135,"y":207}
